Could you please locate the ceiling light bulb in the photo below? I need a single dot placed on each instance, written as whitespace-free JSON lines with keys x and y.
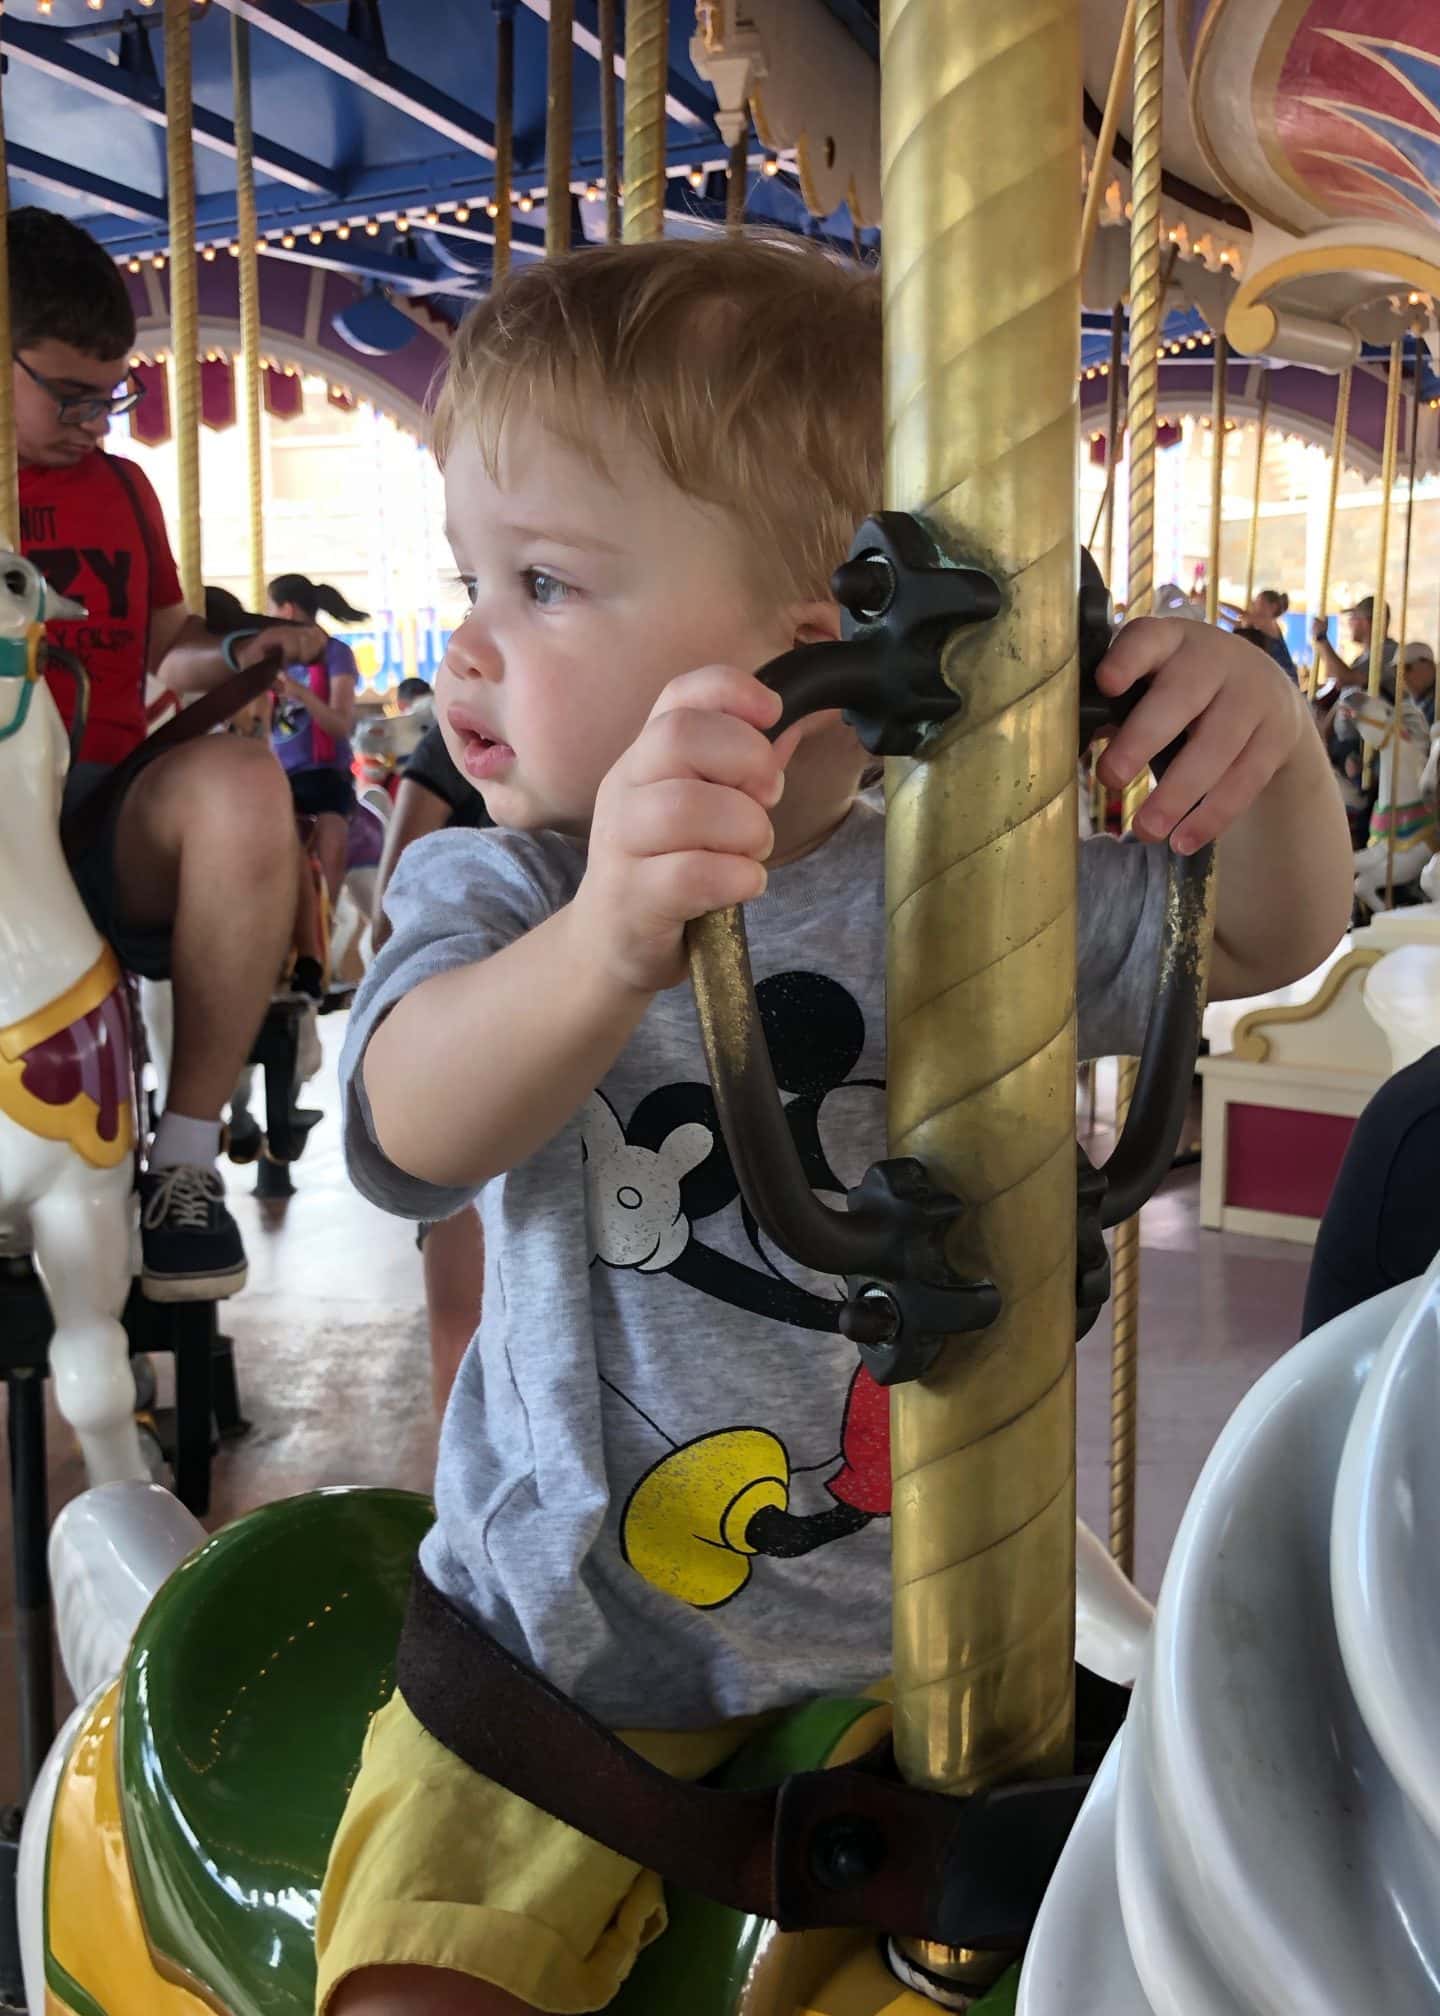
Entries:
{"x":697,"y":178}
{"x":372,"y":229}
{"x":527,"y":201}
{"x":342,"y":230}
{"x":317,"y":236}
{"x":462,"y":213}
{"x":287,"y":239}
{"x":772,"y":166}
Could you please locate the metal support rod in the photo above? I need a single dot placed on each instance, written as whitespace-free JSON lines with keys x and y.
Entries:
{"x":1105,"y":141}
{"x":559,"y":95}
{"x":1337,"y":460}
{"x":737,"y":176}
{"x":647,"y":35}
{"x":1147,"y":291}
{"x":1397,"y":727}
{"x":609,"y":133}
{"x":249,"y":279}
{"x":1217,"y":475}
{"x":980,"y":132}
{"x":1378,"y":625}
{"x":1113,"y":440}
{"x":184,"y":296}
{"x":504,"y":135}
{"x":1262,"y":421}
{"x":9,"y":464}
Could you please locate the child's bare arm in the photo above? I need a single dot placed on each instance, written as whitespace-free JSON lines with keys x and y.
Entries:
{"x":478,"y":1067}
{"x":1253,"y":775}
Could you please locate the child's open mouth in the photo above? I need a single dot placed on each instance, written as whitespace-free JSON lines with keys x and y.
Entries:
{"x":482,"y":755}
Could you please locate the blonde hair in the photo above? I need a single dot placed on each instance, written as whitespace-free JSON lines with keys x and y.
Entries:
{"x":749,"y":369}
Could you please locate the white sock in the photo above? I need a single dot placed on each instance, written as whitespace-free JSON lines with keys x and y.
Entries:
{"x":181,"y":1139}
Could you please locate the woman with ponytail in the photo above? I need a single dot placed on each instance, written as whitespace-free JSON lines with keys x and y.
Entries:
{"x":1261,"y":625}
{"x":314,"y":719}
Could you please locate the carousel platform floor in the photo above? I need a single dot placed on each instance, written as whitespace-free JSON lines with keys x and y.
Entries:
{"x":331,"y":1353}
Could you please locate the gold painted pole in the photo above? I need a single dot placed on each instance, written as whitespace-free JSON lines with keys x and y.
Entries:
{"x":184,"y":294}
{"x":609,"y":137}
{"x":981,"y":837}
{"x":1147,"y":291}
{"x":1401,"y":688}
{"x":1217,"y":475}
{"x":504,"y":136}
{"x":647,"y":30}
{"x":249,"y":278}
{"x":559,"y":93}
{"x":9,"y":459}
{"x":1337,"y":459}
{"x":1105,"y":140}
{"x":1262,"y":420}
{"x":1378,"y":625}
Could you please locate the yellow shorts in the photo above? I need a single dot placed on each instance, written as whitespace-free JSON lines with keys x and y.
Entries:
{"x":435,"y":1866}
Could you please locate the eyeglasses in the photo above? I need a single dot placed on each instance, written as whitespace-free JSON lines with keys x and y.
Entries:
{"x":84,"y":406}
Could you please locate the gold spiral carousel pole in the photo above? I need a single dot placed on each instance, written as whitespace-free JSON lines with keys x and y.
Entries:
{"x":647,"y":31}
{"x":504,"y":136}
{"x":609,"y":137}
{"x":1378,"y":625}
{"x":184,"y":295}
{"x":1146,"y":312}
{"x":249,"y":279}
{"x":9,"y":462}
{"x":1337,"y":460}
{"x":981,"y":407}
{"x":559,"y":95}
{"x":1262,"y":420}
{"x":1217,"y":475}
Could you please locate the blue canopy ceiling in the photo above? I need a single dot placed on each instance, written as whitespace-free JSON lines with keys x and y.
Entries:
{"x":366,"y":114}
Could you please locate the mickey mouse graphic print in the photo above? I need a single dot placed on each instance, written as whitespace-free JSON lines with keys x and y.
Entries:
{"x":664,"y":1476}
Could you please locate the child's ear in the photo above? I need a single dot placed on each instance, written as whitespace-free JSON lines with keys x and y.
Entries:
{"x":817,"y":623}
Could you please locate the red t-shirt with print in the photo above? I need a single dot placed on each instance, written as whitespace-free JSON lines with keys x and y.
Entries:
{"x":96,"y":533}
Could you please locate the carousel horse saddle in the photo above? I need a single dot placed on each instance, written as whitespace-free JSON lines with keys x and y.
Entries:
{"x":219,"y":1783}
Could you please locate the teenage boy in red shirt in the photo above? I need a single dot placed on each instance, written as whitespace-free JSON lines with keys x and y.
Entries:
{"x":193,"y":877}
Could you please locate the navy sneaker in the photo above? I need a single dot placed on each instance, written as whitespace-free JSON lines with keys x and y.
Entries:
{"x":191,"y":1244}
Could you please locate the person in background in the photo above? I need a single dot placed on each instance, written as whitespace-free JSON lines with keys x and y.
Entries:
{"x":413,"y":693}
{"x":1333,"y":668}
{"x":191,"y":873}
{"x":1261,"y":625}
{"x":1339,"y":733}
{"x":1420,"y":678}
{"x":314,"y":720}
{"x":1380,"y":1227}
{"x":433,"y":795}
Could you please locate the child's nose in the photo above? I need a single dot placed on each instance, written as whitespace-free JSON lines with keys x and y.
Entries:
{"x":471,"y":654}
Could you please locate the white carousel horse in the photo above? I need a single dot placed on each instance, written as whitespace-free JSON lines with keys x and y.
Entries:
{"x":1264,"y":1834}
{"x":1402,"y":816}
{"x":66,"y":1129}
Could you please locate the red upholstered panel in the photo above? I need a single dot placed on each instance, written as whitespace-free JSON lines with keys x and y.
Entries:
{"x":1280,"y":1160}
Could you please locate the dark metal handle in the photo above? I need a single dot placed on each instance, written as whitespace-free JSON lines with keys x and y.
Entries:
{"x":55,"y":654}
{"x":861,"y":676}
{"x":902,"y":597}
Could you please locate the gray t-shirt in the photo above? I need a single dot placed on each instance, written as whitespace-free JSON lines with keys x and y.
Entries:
{"x":649,"y":1372}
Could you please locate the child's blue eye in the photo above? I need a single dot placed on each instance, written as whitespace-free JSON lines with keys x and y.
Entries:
{"x":544,"y":589}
